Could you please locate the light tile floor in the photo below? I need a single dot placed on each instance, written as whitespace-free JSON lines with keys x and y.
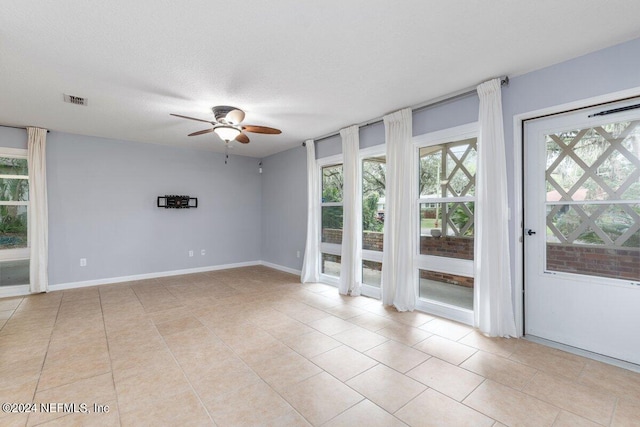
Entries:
{"x":252,"y":346}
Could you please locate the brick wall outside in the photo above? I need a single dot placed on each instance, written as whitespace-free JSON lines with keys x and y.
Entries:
{"x":452,"y":247}
{"x":332,"y":235}
{"x":447,"y":278}
{"x":372,"y":240}
{"x":372,"y":265}
{"x":603,"y":262}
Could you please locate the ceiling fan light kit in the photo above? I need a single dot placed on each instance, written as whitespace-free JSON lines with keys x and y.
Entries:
{"x":227,"y":125}
{"x":226,"y":132}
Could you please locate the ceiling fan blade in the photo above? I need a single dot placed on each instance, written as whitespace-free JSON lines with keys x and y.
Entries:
{"x":192,"y":118}
{"x":201,"y":132}
{"x":242,"y":138}
{"x":261,"y":129}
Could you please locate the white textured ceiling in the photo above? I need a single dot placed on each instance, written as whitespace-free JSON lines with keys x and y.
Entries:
{"x":308,"y":68}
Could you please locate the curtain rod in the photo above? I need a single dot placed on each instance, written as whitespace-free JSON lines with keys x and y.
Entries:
{"x":504,"y":81}
{"x":18,"y":127}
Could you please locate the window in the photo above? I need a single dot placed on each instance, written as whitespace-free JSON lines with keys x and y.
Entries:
{"x":331,"y":211}
{"x":374,"y":167}
{"x":14,"y":217}
{"x":332,"y":204}
{"x":445,"y":209}
{"x":373,"y":191}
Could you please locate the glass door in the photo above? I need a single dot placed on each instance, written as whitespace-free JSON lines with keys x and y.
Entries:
{"x":582,"y":241}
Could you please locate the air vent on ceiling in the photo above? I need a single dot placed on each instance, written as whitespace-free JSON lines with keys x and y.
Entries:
{"x":75,"y":100}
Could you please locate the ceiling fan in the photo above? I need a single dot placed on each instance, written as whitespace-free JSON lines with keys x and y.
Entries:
{"x":227,"y":125}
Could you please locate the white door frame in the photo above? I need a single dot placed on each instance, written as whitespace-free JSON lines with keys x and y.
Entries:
{"x":518,"y":121}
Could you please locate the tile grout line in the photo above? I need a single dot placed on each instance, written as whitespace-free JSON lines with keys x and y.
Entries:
{"x":309,"y":360}
{"x":245,"y":364}
{"x":106,"y":337}
{"x":615,"y":409}
{"x":46,"y":353}
{"x":184,"y":374}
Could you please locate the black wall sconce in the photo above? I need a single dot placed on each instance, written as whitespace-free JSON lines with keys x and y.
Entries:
{"x":177,"y":202}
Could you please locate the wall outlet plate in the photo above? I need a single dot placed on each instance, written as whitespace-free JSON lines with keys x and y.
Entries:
{"x":190,"y":253}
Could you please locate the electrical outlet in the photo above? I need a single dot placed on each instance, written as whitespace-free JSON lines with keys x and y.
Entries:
{"x":297,"y":254}
{"x":83,"y":262}
{"x":203,"y":252}
{"x":190,"y":253}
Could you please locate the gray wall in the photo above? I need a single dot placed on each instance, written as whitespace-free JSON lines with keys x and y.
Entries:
{"x":284,"y":207}
{"x":13,"y":138}
{"x":102,"y":207}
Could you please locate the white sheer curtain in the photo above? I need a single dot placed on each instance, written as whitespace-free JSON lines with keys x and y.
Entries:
{"x":310,"y":265}
{"x":350,"y":269}
{"x":493,"y":306}
{"x":38,"y":211}
{"x":398,"y":288}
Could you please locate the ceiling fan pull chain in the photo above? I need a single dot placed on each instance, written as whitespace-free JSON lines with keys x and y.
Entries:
{"x":226,"y":152}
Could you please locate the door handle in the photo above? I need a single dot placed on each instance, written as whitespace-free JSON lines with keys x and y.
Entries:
{"x":531,"y":232}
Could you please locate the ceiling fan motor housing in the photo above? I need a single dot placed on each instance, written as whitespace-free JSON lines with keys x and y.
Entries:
{"x":227,"y":114}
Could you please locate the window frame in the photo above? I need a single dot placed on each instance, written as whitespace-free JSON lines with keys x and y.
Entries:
{"x":430,"y":262}
{"x":327,"y":248}
{"x":369,"y":255}
{"x":17,"y":254}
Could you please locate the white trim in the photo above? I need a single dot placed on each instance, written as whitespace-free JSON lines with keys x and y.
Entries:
{"x":110,"y":280}
{"x":517,"y":184}
{"x":445,"y":311}
{"x":369,"y":255}
{"x":13,"y":176}
{"x":330,"y":248}
{"x":371,"y":291}
{"x":14,"y":254}
{"x":518,"y":255}
{"x":456,"y":199}
{"x":334,"y":160}
{"x":329,"y":280}
{"x":443,"y":264}
{"x":374,"y":151}
{"x":14,"y":203}
{"x":281,"y":268}
{"x":14,"y":291}
{"x":454,"y":134}
{"x":17,"y":153}
{"x":584,"y":353}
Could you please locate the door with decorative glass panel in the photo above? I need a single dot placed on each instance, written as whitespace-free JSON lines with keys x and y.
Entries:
{"x":582,"y":231}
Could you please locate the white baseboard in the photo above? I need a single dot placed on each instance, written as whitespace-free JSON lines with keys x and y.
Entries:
{"x":11,"y":291}
{"x":109,"y":280}
{"x":584,"y":353}
{"x":281,"y":268}
{"x":14,"y":291}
